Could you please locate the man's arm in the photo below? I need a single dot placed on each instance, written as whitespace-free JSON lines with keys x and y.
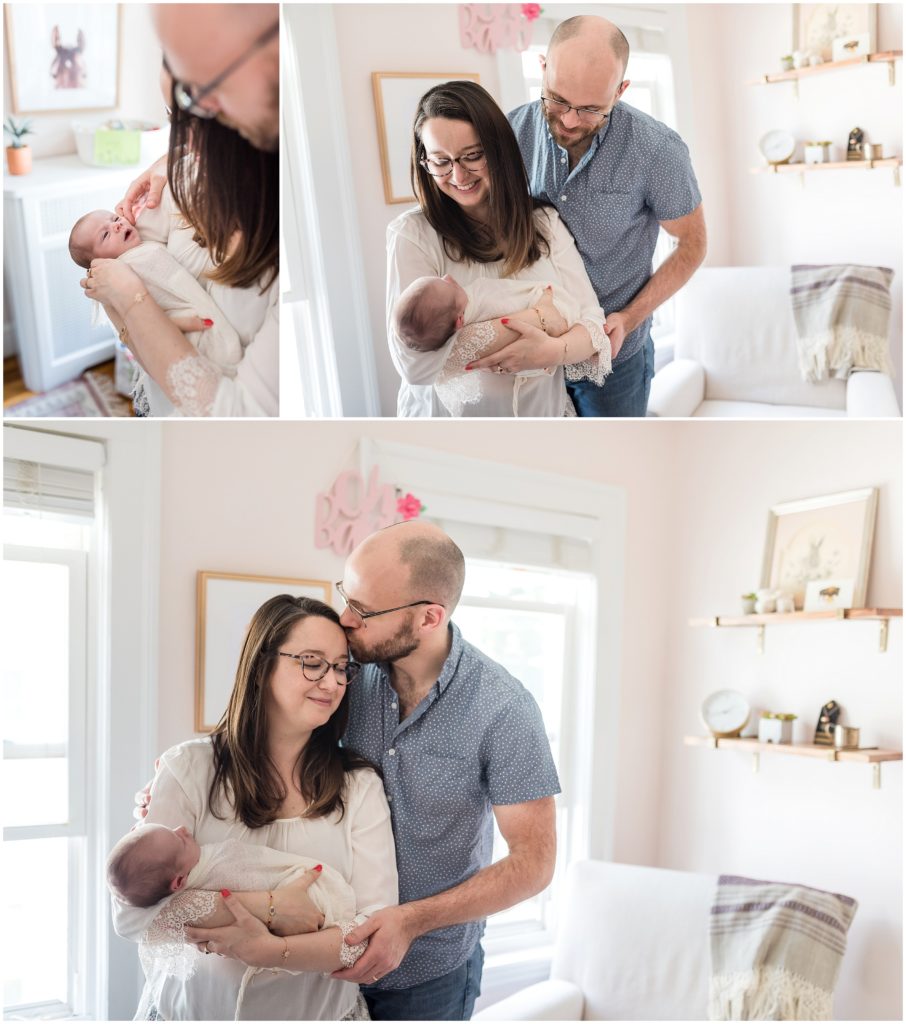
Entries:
{"x":670,"y":276}
{"x":530,"y":834}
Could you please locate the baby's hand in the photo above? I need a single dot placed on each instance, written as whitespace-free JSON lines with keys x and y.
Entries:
{"x":554,"y":321}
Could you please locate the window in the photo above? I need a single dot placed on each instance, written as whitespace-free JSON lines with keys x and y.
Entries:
{"x":531,"y":621}
{"x":45,"y":770}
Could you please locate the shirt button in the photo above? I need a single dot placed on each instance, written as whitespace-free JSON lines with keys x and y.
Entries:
{"x":393,"y":705}
{"x":389,"y":799}
{"x":562,"y":199}
{"x":391,"y":752}
{"x":562,"y":159}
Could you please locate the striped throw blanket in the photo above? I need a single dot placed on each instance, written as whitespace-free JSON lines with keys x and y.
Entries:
{"x":775,"y":950}
{"x":842,"y":316}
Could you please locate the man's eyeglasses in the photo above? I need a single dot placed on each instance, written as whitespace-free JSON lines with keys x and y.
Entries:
{"x":443,"y":167}
{"x":362,"y":616}
{"x":315,"y":669}
{"x":587,"y":115}
{"x":188,"y":97}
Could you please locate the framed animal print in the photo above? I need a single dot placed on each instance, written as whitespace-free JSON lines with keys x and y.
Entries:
{"x":63,"y":57}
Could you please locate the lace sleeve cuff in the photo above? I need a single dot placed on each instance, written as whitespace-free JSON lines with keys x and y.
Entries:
{"x":192,"y":383}
{"x":596,"y":367}
{"x":163,"y":946}
{"x":349,"y":954}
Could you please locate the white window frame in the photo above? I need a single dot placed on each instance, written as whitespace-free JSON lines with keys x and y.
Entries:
{"x":122,"y":643}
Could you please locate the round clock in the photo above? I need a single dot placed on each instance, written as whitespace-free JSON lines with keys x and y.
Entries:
{"x":725,"y":713}
{"x":777,"y":146}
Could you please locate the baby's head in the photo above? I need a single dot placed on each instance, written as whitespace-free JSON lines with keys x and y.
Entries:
{"x":428,"y":312}
{"x":101,"y":235}
{"x":150,"y":863}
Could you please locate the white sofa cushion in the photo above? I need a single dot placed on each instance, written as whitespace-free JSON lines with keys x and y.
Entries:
{"x":677,"y":389}
{"x":548,"y":1000}
{"x":635,"y":941}
{"x":763,"y":411}
{"x":738,"y":323}
{"x":870,"y":395}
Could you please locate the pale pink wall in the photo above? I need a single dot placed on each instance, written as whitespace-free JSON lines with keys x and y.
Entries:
{"x":763,"y":220}
{"x":390,"y":37}
{"x":817,"y":823}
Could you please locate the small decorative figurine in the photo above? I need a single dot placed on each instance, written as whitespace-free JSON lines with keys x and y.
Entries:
{"x":854,"y":145}
{"x":827,"y":719}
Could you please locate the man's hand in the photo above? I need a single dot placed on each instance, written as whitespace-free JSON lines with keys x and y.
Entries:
{"x":296,"y":913}
{"x":390,"y":933}
{"x":616,"y":328}
{"x":146,"y":190}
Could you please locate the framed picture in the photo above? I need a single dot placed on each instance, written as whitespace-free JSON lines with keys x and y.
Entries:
{"x":396,"y":96}
{"x":826,"y":538}
{"x":816,"y":26}
{"x":829,"y":595}
{"x":63,"y":56}
{"x":226,"y":603}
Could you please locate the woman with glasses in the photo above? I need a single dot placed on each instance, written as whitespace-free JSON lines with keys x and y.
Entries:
{"x":477,"y":221}
{"x":272,"y":773}
{"x":223,"y":191}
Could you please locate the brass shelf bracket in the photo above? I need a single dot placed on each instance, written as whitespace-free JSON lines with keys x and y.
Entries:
{"x":876,"y":775}
{"x":882,"y":635}
{"x":759,"y":639}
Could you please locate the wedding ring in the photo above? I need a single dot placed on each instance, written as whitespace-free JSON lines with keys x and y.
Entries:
{"x":375,"y":977}
{"x":499,"y":369}
{"x":207,"y":947}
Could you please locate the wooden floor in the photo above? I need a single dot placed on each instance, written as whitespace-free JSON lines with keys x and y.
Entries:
{"x":14,"y":389}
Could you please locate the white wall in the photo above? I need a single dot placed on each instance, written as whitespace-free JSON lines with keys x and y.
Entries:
{"x":797,"y":820}
{"x":140,"y":97}
{"x":828,"y":217}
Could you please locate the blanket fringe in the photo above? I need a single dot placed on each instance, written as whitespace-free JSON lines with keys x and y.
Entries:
{"x":838,"y":351}
{"x":767,"y":993}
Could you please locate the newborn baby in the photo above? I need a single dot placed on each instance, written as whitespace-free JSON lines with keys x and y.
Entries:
{"x":147,"y":249}
{"x":154,"y":862}
{"x":432,"y":309}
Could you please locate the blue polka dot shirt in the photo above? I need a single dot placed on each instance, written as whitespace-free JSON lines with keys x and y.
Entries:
{"x":475,"y":741}
{"x":636,"y":172}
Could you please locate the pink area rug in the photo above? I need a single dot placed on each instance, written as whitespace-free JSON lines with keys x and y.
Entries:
{"x":92,"y":395}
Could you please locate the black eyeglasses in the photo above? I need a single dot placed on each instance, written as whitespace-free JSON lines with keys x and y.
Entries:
{"x":362,"y":616}
{"x":474,"y":161}
{"x":587,"y":115}
{"x":188,"y":97}
{"x":315,"y":669}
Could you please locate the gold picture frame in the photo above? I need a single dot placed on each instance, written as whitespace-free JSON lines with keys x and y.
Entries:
{"x":225,"y":603}
{"x":821,"y":538}
{"x":42,"y":37}
{"x":396,"y":96}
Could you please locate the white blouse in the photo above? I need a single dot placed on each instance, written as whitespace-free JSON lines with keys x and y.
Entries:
{"x":359,"y":846}
{"x":414,"y":249}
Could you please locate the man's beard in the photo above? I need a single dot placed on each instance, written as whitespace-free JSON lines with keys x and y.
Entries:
{"x":566,"y":141}
{"x":402,"y":644}
{"x":263,"y":135}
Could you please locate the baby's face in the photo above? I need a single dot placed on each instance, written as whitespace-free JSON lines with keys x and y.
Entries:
{"x":106,"y":235}
{"x":457,"y":296}
{"x":174,"y":846}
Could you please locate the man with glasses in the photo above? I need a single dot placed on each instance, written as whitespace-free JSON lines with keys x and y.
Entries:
{"x":460,"y":743}
{"x":224,"y":60}
{"x":615,"y":175}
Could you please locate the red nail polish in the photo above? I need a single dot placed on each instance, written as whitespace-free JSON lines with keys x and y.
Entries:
{"x":468,"y":366}
{"x":225,"y":892}
{"x":319,"y":867}
{"x":209,"y":323}
{"x":504,"y":319}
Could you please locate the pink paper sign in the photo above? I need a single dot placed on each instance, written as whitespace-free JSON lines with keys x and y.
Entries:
{"x":350,"y":511}
{"x":492,"y":27}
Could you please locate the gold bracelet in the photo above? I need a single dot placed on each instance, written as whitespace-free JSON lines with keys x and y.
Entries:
{"x":565,"y":351}
{"x":136,"y":299}
{"x":284,"y":956}
{"x":124,"y":336}
{"x":541,"y":318}
{"x":271,"y":911}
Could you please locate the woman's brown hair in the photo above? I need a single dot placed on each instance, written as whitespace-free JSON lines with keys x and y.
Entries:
{"x":226,"y":189}
{"x":243,"y":771}
{"x":511,"y":232}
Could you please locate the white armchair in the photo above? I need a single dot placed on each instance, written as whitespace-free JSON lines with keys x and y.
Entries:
{"x":735,"y":356}
{"x":632,"y":944}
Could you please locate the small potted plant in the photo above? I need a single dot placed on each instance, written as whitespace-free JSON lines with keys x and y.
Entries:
{"x":748,"y":604}
{"x":18,"y":155}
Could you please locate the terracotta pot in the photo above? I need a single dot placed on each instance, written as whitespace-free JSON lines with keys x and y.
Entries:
{"x":18,"y":159}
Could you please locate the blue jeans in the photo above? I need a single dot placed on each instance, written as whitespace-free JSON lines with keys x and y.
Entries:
{"x":449,"y":997}
{"x":623,"y":393}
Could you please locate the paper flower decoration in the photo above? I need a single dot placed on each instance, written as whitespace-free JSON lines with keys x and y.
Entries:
{"x":409,"y":507}
{"x":531,"y":11}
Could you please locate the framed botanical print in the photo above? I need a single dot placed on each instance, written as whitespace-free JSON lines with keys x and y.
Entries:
{"x":827,"y":538}
{"x":63,"y":56}
{"x":226,"y":603}
{"x":816,"y":26}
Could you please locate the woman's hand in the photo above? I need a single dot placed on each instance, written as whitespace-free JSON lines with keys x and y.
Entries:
{"x":296,"y":913}
{"x":532,"y":349}
{"x":146,"y":190}
{"x":247,"y":939}
{"x":112,"y":283}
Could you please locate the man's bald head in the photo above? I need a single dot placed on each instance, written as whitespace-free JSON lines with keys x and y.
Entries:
{"x":591,"y":34}
{"x":437,"y":568}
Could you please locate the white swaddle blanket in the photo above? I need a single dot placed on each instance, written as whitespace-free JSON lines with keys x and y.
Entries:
{"x":240,"y":867}
{"x":482,"y":393}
